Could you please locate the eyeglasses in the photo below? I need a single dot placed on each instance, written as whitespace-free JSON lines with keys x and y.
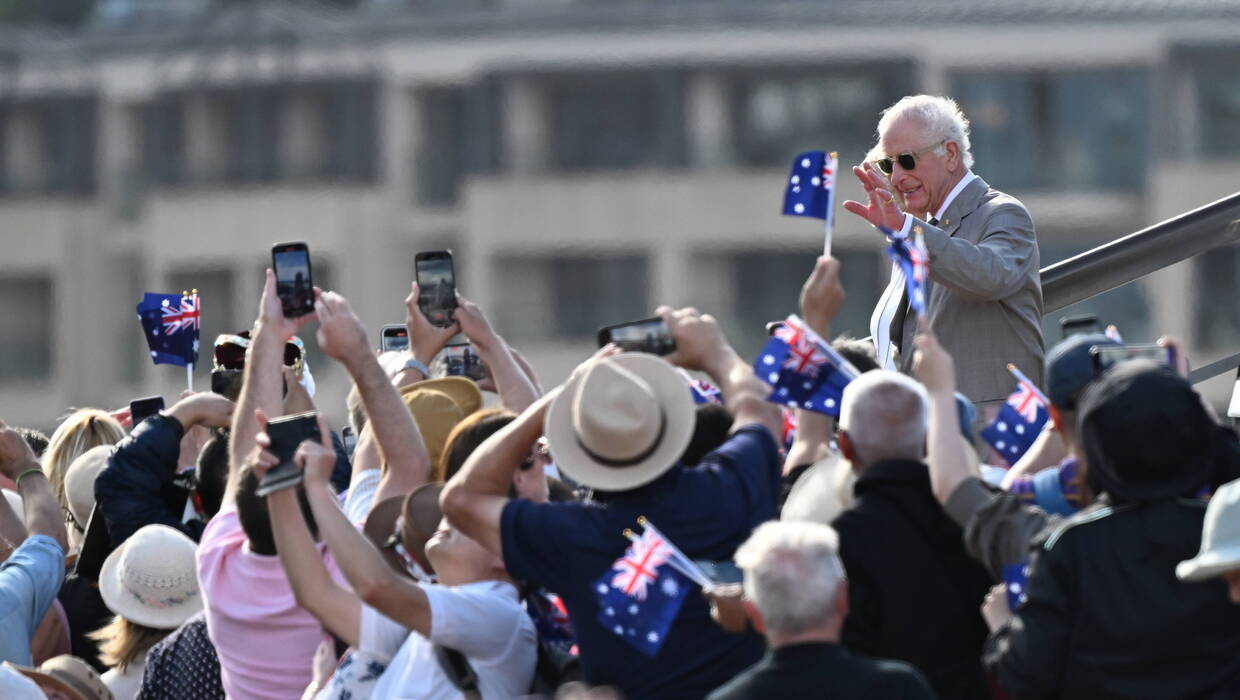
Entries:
{"x":908,"y":160}
{"x":230,"y":351}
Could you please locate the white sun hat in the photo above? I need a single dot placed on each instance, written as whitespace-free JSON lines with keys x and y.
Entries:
{"x":80,"y":481}
{"x":1220,"y":537}
{"x":152,"y":578}
{"x":621,"y":422}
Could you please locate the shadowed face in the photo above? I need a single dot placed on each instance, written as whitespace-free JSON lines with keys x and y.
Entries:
{"x":936,"y":170}
{"x":1233,"y":585}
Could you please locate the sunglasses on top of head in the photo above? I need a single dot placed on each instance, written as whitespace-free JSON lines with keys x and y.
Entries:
{"x":907,"y":160}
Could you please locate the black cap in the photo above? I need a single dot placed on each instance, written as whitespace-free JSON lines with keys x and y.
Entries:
{"x":1069,"y":368}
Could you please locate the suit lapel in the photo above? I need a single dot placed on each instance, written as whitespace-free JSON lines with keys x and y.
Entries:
{"x":965,"y":203}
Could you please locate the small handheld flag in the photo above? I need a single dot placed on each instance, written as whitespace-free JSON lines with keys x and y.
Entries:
{"x":170,"y":323}
{"x":703,"y":392}
{"x":811,"y":190}
{"x":641,"y":594}
{"x":1020,"y":420}
{"x":1015,"y":581}
{"x":910,"y":254}
{"x":803,"y":369}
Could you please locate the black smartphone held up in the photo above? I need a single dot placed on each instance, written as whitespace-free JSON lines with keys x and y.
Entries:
{"x":141,"y":409}
{"x":394,"y":337}
{"x":721,"y":572}
{"x":647,"y":335}
{"x":1107,"y":356}
{"x":461,"y":360}
{"x":287,"y":433}
{"x":294,"y":284}
{"x":436,"y":280}
{"x":1077,"y":325}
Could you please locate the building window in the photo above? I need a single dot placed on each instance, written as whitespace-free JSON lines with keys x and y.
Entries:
{"x":1217,"y":86}
{"x":49,"y":145}
{"x":1217,"y":287}
{"x":569,"y":297}
{"x":1059,"y":131}
{"x":780,"y":114}
{"x":351,"y":130}
{"x":441,"y":158}
{"x":26,"y":318}
{"x":163,"y":139}
{"x":610,"y":121}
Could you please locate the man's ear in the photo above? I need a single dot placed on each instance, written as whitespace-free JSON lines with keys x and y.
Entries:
{"x":755,"y":617}
{"x":954,"y":161}
{"x":846,"y":447}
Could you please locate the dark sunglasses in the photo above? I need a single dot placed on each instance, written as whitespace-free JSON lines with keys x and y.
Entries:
{"x":908,"y":161}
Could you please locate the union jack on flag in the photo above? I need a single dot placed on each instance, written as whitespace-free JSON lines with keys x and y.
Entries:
{"x":1020,"y":421}
{"x":910,"y":254}
{"x":1026,"y":401}
{"x":803,"y":370}
{"x":804,"y":355}
{"x":704,"y":392}
{"x":171,"y":325}
{"x":641,"y":594}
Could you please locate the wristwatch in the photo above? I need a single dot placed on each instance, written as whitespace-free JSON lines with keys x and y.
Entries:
{"x":413,"y":363}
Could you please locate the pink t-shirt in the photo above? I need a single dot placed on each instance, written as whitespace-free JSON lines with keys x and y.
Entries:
{"x":265,"y":641}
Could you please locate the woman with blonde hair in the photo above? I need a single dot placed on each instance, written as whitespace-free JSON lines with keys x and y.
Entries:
{"x":151,"y":583}
{"x":81,"y":430}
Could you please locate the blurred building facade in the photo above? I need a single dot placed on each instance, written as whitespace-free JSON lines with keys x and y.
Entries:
{"x":584,"y":160}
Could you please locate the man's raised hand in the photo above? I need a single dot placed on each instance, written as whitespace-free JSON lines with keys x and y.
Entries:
{"x":882,"y":209}
{"x":822,"y":295}
{"x":700,"y":343}
{"x":425,"y":338}
{"x":271,"y":310}
{"x":932,"y":365}
{"x":341,"y":334}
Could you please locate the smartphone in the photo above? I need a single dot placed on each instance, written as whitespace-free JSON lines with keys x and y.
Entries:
{"x":1077,"y":325}
{"x":1106,"y":356}
{"x":394,"y":336}
{"x":294,"y":284}
{"x":141,"y":409}
{"x":648,"y":335}
{"x":436,"y":280}
{"x":461,"y":360}
{"x":287,"y":433}
{"x":721,"y":572}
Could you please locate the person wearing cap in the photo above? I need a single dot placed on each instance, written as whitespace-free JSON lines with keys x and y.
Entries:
{"x":1220,"y":543}
{"x":618,"y":426}
{"x":31,"y":575}
{"x":150,"y":582}
{"x":1104,"y":615}
{"x":62,"y":677}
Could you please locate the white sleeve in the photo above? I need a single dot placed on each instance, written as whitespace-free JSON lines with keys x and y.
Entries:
{"x":362,"y":492}
{"x":379,"y":636}
{"x":480,"y":622}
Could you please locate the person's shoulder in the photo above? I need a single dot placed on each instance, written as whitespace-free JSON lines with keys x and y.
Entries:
{"x":896,"y":678}
{"x":747,"y":444}
{"x":747,"y":685}
{"x":1083,"y":524}
{"x":995,"y":202}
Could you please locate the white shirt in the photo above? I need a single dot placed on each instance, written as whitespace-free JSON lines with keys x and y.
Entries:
{"x":889,"y":302}
{"x":483,"y":620}
{"x":125,"y":686}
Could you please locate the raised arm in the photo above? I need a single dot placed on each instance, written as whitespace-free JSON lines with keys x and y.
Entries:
{"x":946,"y":458}
{"x":342,"y":337}
{"x":515,"y":390}
{"x":821,"y":299}
{"x":261,"y":385}
{"x":42,"y":511}
{"x":426,"y":340}
{"x":701,"y":346}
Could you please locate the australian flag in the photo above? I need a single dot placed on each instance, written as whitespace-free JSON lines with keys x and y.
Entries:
{"x":803,"y":370}
{"x":641,"y":594}
{"x":811,"y":185}
{"x":1015,"y":583}
{"x":704,"y":392}
{"x":910,"y":253}
{"x":1018,"y":424}
{"x":170,"y":323}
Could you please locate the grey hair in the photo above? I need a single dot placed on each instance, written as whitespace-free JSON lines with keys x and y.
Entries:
{"x":884,"y":414}
{"x":940,"y":116}
{"x":792,"y":574}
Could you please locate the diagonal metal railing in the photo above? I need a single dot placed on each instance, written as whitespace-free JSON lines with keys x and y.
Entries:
{"x":1136,"y":255}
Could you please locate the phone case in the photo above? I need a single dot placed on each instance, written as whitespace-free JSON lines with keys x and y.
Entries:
{"x":286,"y":435}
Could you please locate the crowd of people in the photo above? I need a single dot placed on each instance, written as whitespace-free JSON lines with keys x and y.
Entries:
{"x":457,"y":548}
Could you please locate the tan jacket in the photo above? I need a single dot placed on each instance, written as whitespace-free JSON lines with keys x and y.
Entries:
{"x":984,"y":296}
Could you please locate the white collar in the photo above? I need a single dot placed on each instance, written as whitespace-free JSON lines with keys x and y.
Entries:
{"x":964,"y":181}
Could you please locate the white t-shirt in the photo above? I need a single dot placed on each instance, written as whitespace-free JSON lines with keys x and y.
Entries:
{"x":484,"y":621}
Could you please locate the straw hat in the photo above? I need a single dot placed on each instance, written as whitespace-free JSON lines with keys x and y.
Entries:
{"x":80,"y":481}
{"x":69,"y":675}
{"x":621,"y":422}
{"x":437,"y":406}
{"x":1220,"y":537}
{"x":419,"y":516}
{"x":151,"y":579}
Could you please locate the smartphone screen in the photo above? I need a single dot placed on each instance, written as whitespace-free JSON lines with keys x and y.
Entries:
{"x":1105,"y":357}
{"x":436,"y":286}
{"x":141,"y":409}
{"x":648,"y":335}
{"x":294,"y":285}
{"x":1077,"y":325}
{"x":461,"y":360}
{"x":287,"y":433}
{"x":394,"y":337}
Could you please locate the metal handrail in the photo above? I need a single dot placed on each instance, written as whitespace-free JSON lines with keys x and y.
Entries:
{"x":1136,"y":255}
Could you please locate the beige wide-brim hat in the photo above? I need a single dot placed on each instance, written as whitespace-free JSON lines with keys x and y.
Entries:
{"x":1220,"y":537}
{"x":152,"y":578}
{"x":621,"y":422}
{"x":437,"y":405}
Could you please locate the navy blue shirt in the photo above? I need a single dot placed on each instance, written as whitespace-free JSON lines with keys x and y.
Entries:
{"x":707,"y":511}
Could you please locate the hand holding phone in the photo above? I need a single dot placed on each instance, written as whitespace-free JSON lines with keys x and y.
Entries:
{"x":141,"y":409}
{"x":294,"y":283}
{"x":647,"y":335}
{"x":286,"y":434}
{"x":436,"y":278}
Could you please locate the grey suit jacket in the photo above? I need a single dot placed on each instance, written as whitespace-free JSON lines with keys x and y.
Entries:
{"x":984,"y":296}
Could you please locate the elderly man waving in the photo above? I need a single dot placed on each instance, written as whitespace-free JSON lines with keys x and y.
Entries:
{"x":984,"y":297}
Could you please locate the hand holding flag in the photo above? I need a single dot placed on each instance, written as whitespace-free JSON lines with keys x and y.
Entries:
{"x":803,"y":369}
{"x":811,"y":190}
{"x":1020,"y":420}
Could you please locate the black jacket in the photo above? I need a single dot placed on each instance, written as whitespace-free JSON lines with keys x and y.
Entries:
{"x":1106,"y":616}
{"x":914,"y":593}
{"x":824,"y":670}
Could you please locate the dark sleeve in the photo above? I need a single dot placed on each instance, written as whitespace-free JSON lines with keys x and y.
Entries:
{"x":536,"y":536}
{"x":914,"y":686}
{"x":1027,"y":654}
{"x":753,"y":457}
{"x":862,"y":633}
{"x":342,"y":473}
{"x":999,"y":528}
{"x":128,"y":489}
